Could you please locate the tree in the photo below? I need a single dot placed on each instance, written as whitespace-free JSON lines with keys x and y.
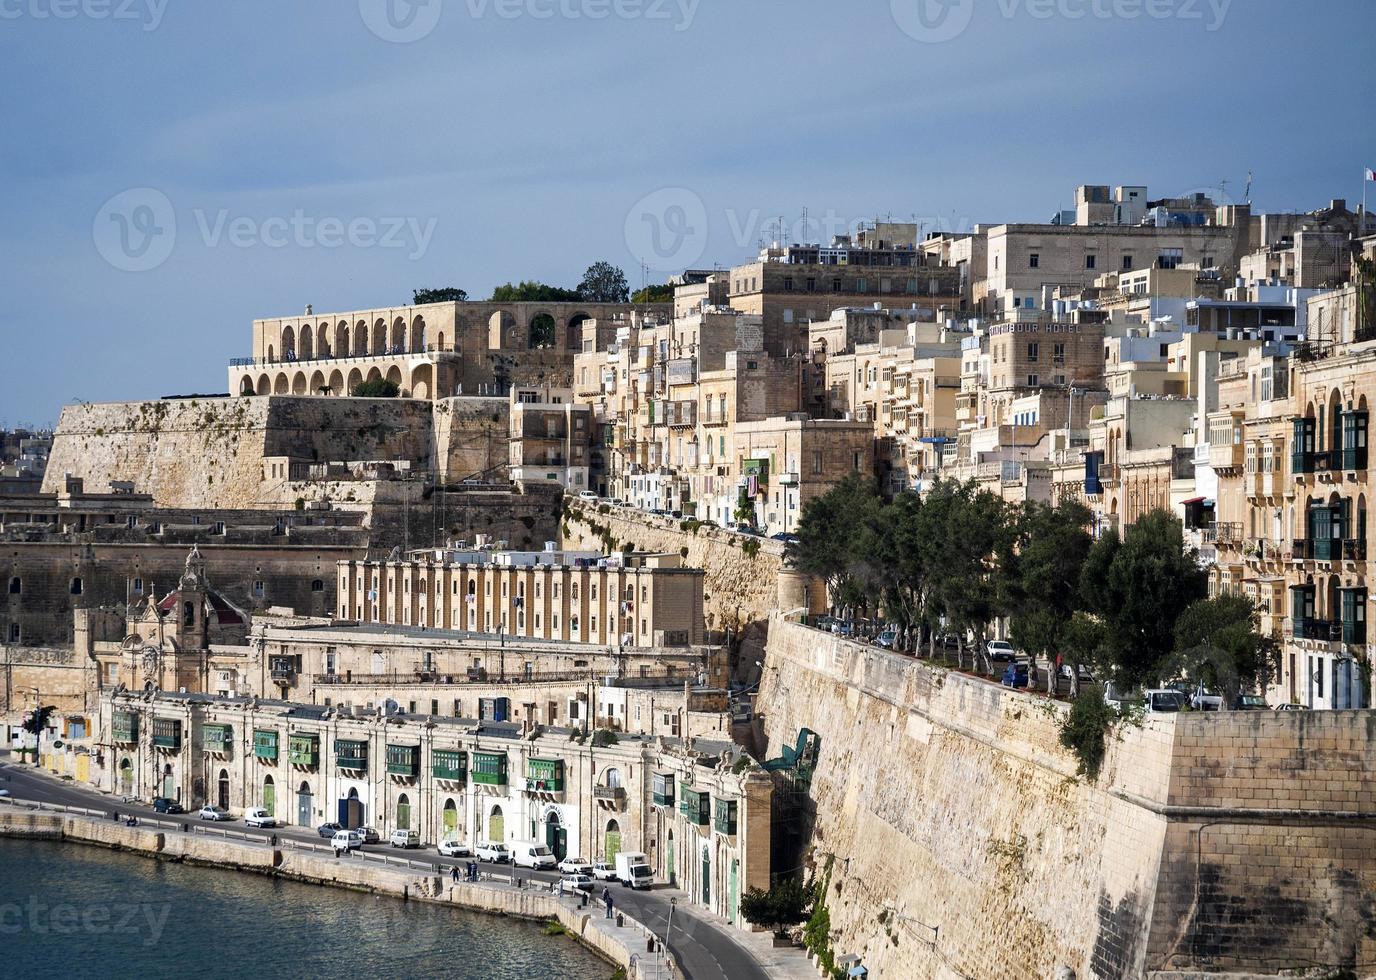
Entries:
{"x":445,"y":294}
{"x":829,"y":532}
{"x":533,"y":292}
{"x":663,"y":293}
{"x":1086,"y":729}
{"x":35,"y":722}
{"x":1147,"y":582}
{"x":376,"y":388}
{"x":1217,"y":644}
{"x":785,"y":904}
{"x":1040,"y":581}
{"x":1083,"y":642}
{"x":603,"y":283}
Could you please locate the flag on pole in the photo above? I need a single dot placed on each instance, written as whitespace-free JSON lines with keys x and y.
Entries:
{"x":1370,"y":174}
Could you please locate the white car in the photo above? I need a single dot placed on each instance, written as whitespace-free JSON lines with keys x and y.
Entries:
{"x":1001,"y":650}
{"x":405,"y":838}
{"x":453,"y":849}
{"x":214,"y":813}
{"x":575,"y":866}
{"x":587,"y":495}
{"x":346,"y":840}
{"x":259,"y":817}
{"x":603,"y":871}
{"x":573,"y":884}
{"x":496,"y":853}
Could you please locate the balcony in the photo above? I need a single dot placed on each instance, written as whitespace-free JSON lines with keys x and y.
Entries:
{"x":167,"y":734}
{"x":1223,"y":533}
{"x":1354,"y":549}
{"x":724,"y":820}
{"x":489,"y":768}
{"x":695,"y":805}
{"x":545,"y":776}
{"x":1226,"y":456}
{"x":265,"y":745}
{"x":450,"y":764}
{"x":304,"y":750}
{"x":403,"y":760}
{"x":663,"y":790}
{"x":1317,"y":549}
{"x":350,"y":755}
{"x":611,"y":797}
{"x":124,"y":728}
{"x":1323,"y":630}
{"x":217,"y":738}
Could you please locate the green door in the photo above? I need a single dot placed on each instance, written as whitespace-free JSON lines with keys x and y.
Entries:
{"x":126,"y":777}
{"x":451,"y":821}
{"x":496,"y":826}
{"x":403,"y":812}
{"x":269,"y":797}
{"x":731,"y":893}
{"x":706,"y":877}
{"x":558,"y":839}
{"x":612,"y":845}
{"x":669,"y":861}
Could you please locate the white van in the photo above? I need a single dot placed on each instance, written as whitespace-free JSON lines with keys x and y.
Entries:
{"x":259,"y":817}
{"x":491,"y":851}
{"x":346,"y":840}
{"x":532,"y":854}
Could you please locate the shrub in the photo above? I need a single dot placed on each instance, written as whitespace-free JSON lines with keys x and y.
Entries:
{"x":1086,"y":728}
{"x":377,"y":388}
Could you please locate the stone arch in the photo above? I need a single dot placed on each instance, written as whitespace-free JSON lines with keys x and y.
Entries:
{"x":394,"y":376}
{"x":421,"y":381}
{"x":374,"y":374}
{"x":611,"y":777}
{"x":403,"y":812}
{"x":361,"y":338}
{"x":272,"y":354}
{"x":496,"y":825}
{"x":398,"y":336}
{"x":307,"y":346}
{"x":288,"y":344}
{"x":322,"y":340}
{"x":264,"y":385}
{"x":337,"y":382}
{"x":355,"y":379}
{"x":379,"y":345}
{"x":317,"y":382}
{"x":573,"y":332}
{"x":541,"y":332}
{"x":341,"y":339}
{"x":501,"y":330}
{"x":1335,"y":423}
{"x":418,"y":335}
{"x":246,"y":385}
{"x":281,"y":386}
{"x":298,"y":383}
{"x":449,"y":820}
{"x":439,"y":341}
{"x":611,"y":841}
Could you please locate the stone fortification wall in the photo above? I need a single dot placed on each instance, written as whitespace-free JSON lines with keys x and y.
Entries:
{"x":962,"y":843}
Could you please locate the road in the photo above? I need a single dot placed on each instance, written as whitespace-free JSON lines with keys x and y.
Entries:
{"x":705,"y":950}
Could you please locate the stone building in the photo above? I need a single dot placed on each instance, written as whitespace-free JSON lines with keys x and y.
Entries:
{"x":633,"y":600}
{"x":787,"y":462}
{"x":700,"y":809}
{"x":551,"y":438}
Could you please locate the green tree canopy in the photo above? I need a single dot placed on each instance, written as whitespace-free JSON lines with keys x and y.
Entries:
{"x":785,"y":904}
{"x":444,"y":294}
{"x":661,"y":293}
{"x":377,"y":388}
{"x":1217,"y":644}
{"x":603,"y":283}
{"x":1040,"y":578}
{"x":531,"y":291}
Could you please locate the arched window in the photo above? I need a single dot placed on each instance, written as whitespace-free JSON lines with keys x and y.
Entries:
{"x":16,"y":586}
{"x":317,"y":585}
{"x":403,"y":812}
{"x":76,"y":586}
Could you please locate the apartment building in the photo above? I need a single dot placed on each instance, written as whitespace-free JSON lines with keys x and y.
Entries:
{"x":785,"y":462}
{"x":632,"y":600}
{"x":551,"y":437}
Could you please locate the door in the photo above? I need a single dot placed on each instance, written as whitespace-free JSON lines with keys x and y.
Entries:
{"x":496,"y":826}
{"x":126,"y":778}
{"x":269,"y":796}
{"x":706,"y":877}
{"x":731,"y":892}
{"x":403,"y":812}
{"x":612,"y":842}
{"x":556,"y":837}
{"x":222,"y":790}
{"x":451,"y":821}
{"x":669,"y":855}
{"x":351,"y":811}
{"x":305,"y":806}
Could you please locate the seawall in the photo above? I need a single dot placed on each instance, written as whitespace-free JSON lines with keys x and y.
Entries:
{"x":961,"y":842}
{"x":619,"y":945}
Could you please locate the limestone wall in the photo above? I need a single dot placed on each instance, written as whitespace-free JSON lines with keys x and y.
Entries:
{"x":961,"y":842}
{"x":739,"y":589}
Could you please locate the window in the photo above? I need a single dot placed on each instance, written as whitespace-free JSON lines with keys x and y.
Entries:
{"x":317,"y":585}
{"x":1034,"y":261}
{"x":1031,"y":381}
{"x":1127,"y":263}
{"x":1089,"y":261}
{"x":1170,"y":258}
{"x":76,"y":586}
{"x":788,"y":284}
{"x":14,"y":632}
{"x":836,"y":285}
{"x":16,"y":586}
{"x":259,"y":589}
{"x":816,"y":462}
{"x":1032,"y":350}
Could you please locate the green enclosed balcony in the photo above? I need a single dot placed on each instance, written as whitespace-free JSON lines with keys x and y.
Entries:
{"x":545,"y":775}
{"x":265,"y":745}
{"x":695,"y":805}
{"x":489,"y":768}
{"x":724,"y":820}
{"x":403,"y":760}
{"x":304,"y":750}
{"x":217,"y":738}
{"x":662,"y":789}
{"x":450,"y":764}
{"x":167,"y":733}
{"x":124,"y":727}
{"x":351,"y":755}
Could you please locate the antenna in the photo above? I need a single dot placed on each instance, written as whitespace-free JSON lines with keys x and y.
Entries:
{"x":1247,"y":195}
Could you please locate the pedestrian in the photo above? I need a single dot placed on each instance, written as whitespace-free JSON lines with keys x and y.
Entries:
{"x":455,"y":875}
{"x":607,"y":897}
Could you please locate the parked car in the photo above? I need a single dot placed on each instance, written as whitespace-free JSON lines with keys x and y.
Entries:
{"x":328,"y":830}
{"x":1250,"y":702}
{"x":887,"y":638}
{"x":346,"y":840}
{"x":575,"y":866}
{"x":532,"y":854}
{"x":1086,"y":677}
{"x":259,"y":817}
{"x":453,"y":849}
{"x":633,"y":869}
{"x":163,"y":805}
{"x":1204,"y":700}
{"x":1119,"y":699}
{"x":1015,"y":675}
{"x":1000,"y":650}
{"x":405,"y":838}
{"x":575,"y":883}
{"x":1165,"y":700}
{"x":676,"y":514}
{"x":604,"y":871}
{"x":842,"y":628}
{"x":490,"y":851}
{"x":785,"y":537}
{"x":1292,"y":707}
{"x":370,"y":835}
{"x":216,"y":813}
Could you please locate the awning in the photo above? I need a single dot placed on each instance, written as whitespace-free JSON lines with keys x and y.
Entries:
{"x":1193,"y":500}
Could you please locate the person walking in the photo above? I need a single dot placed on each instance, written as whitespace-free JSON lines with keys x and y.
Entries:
{"x":607,"y":899}
{"x":455,"y":874}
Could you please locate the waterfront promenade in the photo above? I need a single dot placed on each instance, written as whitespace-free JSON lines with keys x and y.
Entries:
{"x":699,"y":947}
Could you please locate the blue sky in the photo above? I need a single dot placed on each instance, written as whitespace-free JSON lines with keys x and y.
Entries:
{"x":341,"y":153}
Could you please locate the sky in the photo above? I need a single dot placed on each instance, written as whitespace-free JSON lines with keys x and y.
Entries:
{"x":171,"y":169}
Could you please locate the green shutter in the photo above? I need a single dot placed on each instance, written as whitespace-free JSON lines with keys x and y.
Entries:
{"x":265,"y":744}
{"x":725,"y":817}
{"x":125,"y":727}
{"x":489,"y":768}
{"x":449,"y":764}
{"x":167,"y":733}
{"x":217,"y":738}
{"x":304,"y":750}
{"x":351,"y":754}
{"x":545,"y":774}
{"x":403,"y":760}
